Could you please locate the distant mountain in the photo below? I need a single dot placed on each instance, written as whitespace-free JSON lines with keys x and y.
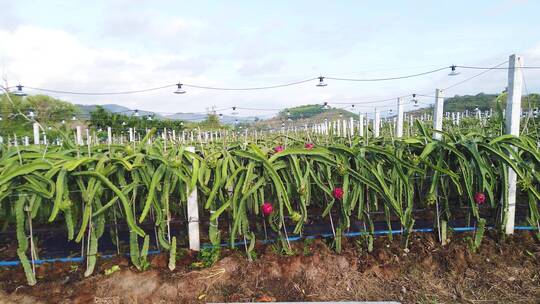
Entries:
{"x":198,"y":117}
{"x":305,"y":114}
{"x":191,"y":117}
{"x":114,"y":108}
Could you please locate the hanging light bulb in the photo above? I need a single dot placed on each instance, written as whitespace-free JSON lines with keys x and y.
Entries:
{"x":49,"y":128}
{"x":390,"y":111}
{"x":352,"y":106}
{"x":19,"y":91}
{"x":340,"y":115}
{"x":74,"y":117}
{"x":453,"y":72}
{"x":476,"y":109}
{"x":325,"y":105}
{"x":321,"y":82}
{"x":236,"y":121}
{"x":136,"y":114}
{"x":99,"y":130}
{"x":149,"y":118}
{"x":123,"y":123}
{"x":220,"y":115}
{"x":31,"y":114}
{"x":179,"y":90}
{"x":234,"y":112}
{"x":288,"y":113}
{"x":182,"y":123}
{"x":63,"y":122}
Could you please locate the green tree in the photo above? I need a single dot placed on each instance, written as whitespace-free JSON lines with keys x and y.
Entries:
{"x":211,"y":121}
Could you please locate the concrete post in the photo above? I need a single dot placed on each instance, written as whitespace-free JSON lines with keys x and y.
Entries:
{"x":400,"y":112}
{"x":513,"y":110}
{"x":36,"y":133}
{"x":361,"y":125}
{"x":376,"y":123}
{"x":438,"y":113}
{"x":109,"y":135}
{"x":79,"y":136}
{"x":193,"y":216}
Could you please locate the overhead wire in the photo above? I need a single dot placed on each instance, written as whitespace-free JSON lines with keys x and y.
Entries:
{"x":388,"y":78}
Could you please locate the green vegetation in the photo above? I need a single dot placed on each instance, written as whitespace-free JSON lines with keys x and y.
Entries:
{"x":51,"y":113}
{"x":89,"y":190}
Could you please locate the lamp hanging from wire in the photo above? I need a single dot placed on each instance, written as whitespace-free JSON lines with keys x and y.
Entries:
{"x":19,"y":91}
{"x":321,"y":82}
{"x":179,"y":89}
{"x":414,"y":100}
{"x":453,"y":71}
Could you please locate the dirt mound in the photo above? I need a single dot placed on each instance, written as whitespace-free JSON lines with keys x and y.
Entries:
{"x":498,"y":272}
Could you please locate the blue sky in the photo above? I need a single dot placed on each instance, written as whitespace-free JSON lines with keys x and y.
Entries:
{"x":123,"y":45}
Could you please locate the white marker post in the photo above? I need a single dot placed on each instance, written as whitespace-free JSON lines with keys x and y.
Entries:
{"x":79,"y":136}
{"x":437,"y":126}
{"x":376,"y":123}
{"x":361,"y":125}
{"x":513,"y":111}
{"x":399,"y":125}
{"x":109,"y":136}
{"x":438,"y":114}
{"x":193,"y":216}
{"x":36,"y":133}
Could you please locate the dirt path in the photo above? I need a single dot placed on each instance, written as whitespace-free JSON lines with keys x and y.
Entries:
{"x":428,"y":273}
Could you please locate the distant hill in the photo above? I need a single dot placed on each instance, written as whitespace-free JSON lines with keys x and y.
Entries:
{"x":481,"y":101}
{"x":114,"y":108}
{"x":85,"y":110}
{"x":301,"y":115}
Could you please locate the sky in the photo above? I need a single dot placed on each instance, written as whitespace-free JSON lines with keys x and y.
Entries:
{"x":120,"y":45}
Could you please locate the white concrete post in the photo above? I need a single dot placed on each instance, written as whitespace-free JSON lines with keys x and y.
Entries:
{"x":400,"y":112}
{"x":193,"y":216}
{"x":109,"y":135}
{"x":513,"y":110}
{"x":438,"y":113}
{"x":79,"y":136}
{"x":130,"y":134}
{"x":36,"y":133}
{"x":376,"y":123}
{"x":351,"y":126}
{"x":361,"y":124}
{"x":88,"y":138}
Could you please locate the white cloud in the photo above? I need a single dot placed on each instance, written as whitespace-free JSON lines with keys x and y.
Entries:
{"x":55,"y":59}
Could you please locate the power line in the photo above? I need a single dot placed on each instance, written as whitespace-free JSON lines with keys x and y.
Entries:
{"x":474,"y":76}
{"x":205,"y":87}
{"x":101,"y":93}
{"x":497,"y":68}
{"x":249,"y":89}
{"x":389,"y":78}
